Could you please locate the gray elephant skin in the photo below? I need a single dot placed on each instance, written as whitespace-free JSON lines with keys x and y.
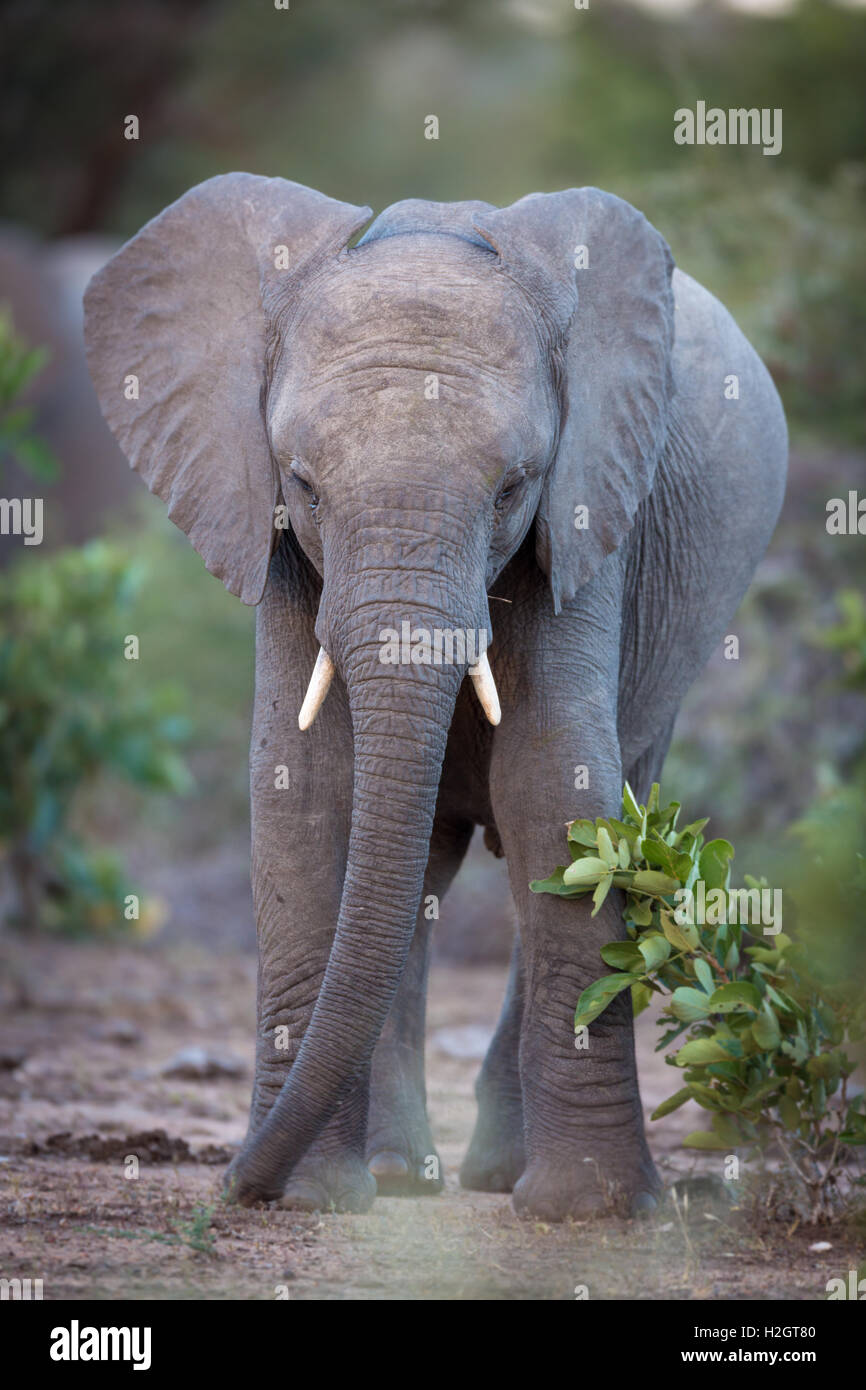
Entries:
{"x":521,"y":421}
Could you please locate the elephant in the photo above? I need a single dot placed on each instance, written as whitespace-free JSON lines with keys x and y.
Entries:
{"x":522,"y":423}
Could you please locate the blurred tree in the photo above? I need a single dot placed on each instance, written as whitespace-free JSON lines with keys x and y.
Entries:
{"x":530,"y":94}
{"x":69,"y":75}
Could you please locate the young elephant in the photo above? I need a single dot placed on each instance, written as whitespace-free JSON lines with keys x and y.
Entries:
{"x":526,"y":404}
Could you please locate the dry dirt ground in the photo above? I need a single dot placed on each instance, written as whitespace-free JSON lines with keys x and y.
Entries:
{"x":87,"y":1030}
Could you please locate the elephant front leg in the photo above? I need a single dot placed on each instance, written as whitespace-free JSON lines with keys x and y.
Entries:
{"x":585,"y":1147}
{"x":302,"y":795}
{"x":295,"y":926}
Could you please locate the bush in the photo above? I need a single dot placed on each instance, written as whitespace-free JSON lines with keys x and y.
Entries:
{"x":760,"y":1025}
{"x":71,"y":709}
{"x":19,"y":364}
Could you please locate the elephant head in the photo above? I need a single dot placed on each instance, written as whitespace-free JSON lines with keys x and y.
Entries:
{"x":416,"y":404}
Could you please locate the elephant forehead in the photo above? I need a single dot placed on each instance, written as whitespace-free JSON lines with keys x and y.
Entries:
{"x":419,"y":307}
{"x":438,"y":346}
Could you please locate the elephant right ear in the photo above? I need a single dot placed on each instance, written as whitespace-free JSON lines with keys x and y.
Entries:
{"x":176,"y":333}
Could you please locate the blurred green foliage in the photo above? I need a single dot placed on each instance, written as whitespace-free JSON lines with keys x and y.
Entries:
{"x":72,"y":708}
{"x":196,"y":635}
{"x":530,"y":95}
{"x":827,"y":867}
{"x":785,"y":257}
{"x":19,"y":365}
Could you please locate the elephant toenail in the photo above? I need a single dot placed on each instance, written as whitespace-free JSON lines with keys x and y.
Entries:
{"x":644,"y":1204}
{"x":388,"y":1166}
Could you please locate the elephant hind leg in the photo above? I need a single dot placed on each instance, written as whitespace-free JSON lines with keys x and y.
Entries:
{"x":400,"y":1151}
{"x":496,"y":1156}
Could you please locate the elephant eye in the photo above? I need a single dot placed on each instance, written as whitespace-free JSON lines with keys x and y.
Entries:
{"x":312,"y":495}
{"x":506,"y":493}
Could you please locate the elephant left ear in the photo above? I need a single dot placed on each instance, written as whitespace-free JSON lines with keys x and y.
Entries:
{"x":602,"y":277}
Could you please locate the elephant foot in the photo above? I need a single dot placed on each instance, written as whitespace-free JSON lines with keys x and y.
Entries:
{"x":402,"y":1157}
{"x":317,"y":1184}
{"x":580,"y":1190}
{"x":492,"y":1167}
{"x":399,"y":1174}
{"x":496,"y":1156}
{"x":342,"y":1184}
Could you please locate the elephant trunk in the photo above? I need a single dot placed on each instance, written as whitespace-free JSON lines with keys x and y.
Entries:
{"x":400,"y":716}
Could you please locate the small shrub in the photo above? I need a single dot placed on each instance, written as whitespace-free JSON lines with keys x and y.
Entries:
{"x":72,"y":709}
{"x":757,"y":1028}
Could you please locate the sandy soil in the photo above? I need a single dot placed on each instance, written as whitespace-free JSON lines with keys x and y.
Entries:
{"x":87,"y":1030}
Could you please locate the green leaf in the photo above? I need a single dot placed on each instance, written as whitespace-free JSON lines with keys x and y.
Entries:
{"x":695,"y":827}
{"x":701,"y":1139}
{"x":661,"y":856}
{"x":689,"y":1004}
{"x":797,"y":1048}
{"x":654,"y":949}
{"x":641,"y":994}
{"x":650,"y":881}
{"x":782,"y":1000}
{"x":639,"y":911}
{"x":596,"y":997}
{"x":727,"y":1130}
{"x":818,"y":1093}
{"x":582,"y":832}
{"x":553,"y":884}
{"x":623,"y":955}
{"x":789,"y":1112}
{"x":684,"y":938}
{"x":585,"y":871}
{"x":757,"y":1094}
{"x":705,"y":1095}
{"x":765,"y":1029}
{"x":605,"y":848}
{"x":737,"y":995}
{"x":699,"y":1052}
{"x":601,"y":893}
{"x":672,"y":1103}
{"x":715,"y":863}
{"x":705,"y":975}
{"x":629,"y":803}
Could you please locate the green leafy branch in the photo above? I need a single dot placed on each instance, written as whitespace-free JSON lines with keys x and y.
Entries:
{"x":760,"y":1039}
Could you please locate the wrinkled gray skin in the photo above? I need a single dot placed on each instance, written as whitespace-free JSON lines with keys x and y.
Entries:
{"x":602,"y":386}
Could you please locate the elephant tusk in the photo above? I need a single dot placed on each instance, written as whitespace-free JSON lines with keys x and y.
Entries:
{"x":320,"y":681}
{"x":485,"y":688}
